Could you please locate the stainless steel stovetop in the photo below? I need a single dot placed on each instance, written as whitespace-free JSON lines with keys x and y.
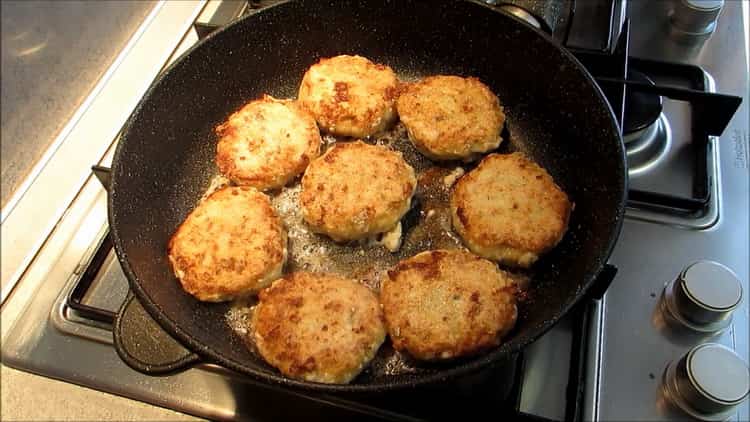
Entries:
{"x":636,"y":345}
{"x":631,"y":338}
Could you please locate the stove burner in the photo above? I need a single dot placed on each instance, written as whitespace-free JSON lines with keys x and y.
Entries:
{"x":647,"y":147}
{"x":646,"y":130}
{"x":641,"y":108}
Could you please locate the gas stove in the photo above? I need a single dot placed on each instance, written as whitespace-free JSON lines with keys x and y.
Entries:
{"x":668,"y":340}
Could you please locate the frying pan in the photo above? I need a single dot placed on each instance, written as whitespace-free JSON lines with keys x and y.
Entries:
{"x":556,"y":114}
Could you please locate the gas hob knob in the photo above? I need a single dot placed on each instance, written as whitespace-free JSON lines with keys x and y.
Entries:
{"x":708,"y":382}
{"x":696,"y":17}
{"x":703,"y":296}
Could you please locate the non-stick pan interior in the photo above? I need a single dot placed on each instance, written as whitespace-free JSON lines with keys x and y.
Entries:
{"x":555,"y":114}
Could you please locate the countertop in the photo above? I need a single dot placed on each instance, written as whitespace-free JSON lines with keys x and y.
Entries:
{"x":27,"y":397}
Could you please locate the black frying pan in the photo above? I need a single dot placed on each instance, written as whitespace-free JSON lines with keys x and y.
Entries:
{"x":555,"y":114}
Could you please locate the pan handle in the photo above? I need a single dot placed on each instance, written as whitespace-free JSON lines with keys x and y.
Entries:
{"x":144,"y":346}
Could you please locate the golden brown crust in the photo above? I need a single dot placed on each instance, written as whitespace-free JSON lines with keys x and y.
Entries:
{"x":509,"y":209}
{"x":450,"y":117}
{"x":267,"y":143}
{"x":350,"y":95}
{"x":443,"y":304}
{"x":318,"y":327}
{"x":356,"y":190}
{"x":231,"y":245}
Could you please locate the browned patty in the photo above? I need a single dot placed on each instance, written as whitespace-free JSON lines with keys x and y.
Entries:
{"x":509,"y":209}
{"x":232,"y":244}
{"x":318,"y":327}
{"x":350,"y":95}
{"x":443,"y":304}
{"x":356,"y":190}
{"x":450,"y":117}
{"x":267,"y":143}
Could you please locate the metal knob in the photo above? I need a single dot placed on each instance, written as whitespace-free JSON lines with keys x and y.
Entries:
{"x":696,"y":17}
{"x":703,"y":296}
{"x":708,"y":382}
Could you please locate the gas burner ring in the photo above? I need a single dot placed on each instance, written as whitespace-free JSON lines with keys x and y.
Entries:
{"x":642,"y":109}
{"x":648,"y":147}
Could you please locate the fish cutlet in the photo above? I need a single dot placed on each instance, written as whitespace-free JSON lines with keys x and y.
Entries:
{"x":267,"y":143}
{"x":231,"y":245}
{"x":444,"y":304}
{"x":450,"y":117}
{"x":318,"y":327}
{"x":350,"y":95}
{"x":356,"y":190}
{"x":510,"y":210}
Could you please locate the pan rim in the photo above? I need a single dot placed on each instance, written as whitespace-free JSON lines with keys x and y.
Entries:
{"x":505,"y":350}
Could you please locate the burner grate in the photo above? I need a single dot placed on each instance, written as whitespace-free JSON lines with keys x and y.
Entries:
{"x":709,"y":115}
{"x":77,"y":297}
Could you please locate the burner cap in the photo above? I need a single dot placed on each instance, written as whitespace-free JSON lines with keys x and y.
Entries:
{"x":641,"y":108}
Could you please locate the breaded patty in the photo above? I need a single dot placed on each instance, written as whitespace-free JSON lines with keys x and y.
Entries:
{"x":350,"y":95}
{"x":509,"y":209}
{"x":443,"y":304}
{"x":231,"y":245}
{"x":356,"y":190}
{"x":318,"y":327}
{"x":450,"y":117}
{"x":267,"y":143}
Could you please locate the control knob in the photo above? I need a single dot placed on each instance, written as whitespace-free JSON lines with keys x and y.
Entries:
{"x":703,"y":296}
{"x":696,"y":17}
{"x":708,"y":382}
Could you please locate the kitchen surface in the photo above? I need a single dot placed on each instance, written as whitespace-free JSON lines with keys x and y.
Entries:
{"x":667,"y":341}
{"x":49,"y":65}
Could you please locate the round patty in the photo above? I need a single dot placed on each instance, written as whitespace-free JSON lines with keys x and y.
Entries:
{"x":450,"y":117}
{"x":267,"y":143}
{"x":443,"y":304}
{"x":350,"y":95}
{"x":509,"y":209}
{"x":356,"y":190}
{"x":318,"y":327}
{"x":232,"y":244}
